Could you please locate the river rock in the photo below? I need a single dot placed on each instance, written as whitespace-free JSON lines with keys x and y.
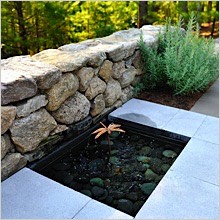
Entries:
{"x":169,"y":154}
{"x":114,"y":160}
{"x":117,"y":194}
{"x":11,"y":164}
{"x":118,"y":69}
{"x":137,"y":205}
{"x":97,"y":105}
{"x":158,"y":179}
{"x":86,"y":192}
{"x":156,"y":164}
{"x":6,"y":145}
{"x":58,"y":93}
{"x":133,"y":196}
{"x":96,"y":165}
{"x":147,"y":188}
{"x":127,"y":93}
{"x":97,"y":182}
{"x":150,"y":175}
{"x":8,"y":114}
{"x":143,"y":159}
{"x":96,"y":87}
{"x":145,"y":151}
{"x":112,"y":92}
{"x":165,"y":167}
{"x":85,"y":75}
{"x":97,"y":192}
{"x":125,"y":205}
{"x":127,"y":77}
{"x":25,"y":108}
{"x":28,"y":132}
{"x":105,"y":71}
{"x":74,"y":109}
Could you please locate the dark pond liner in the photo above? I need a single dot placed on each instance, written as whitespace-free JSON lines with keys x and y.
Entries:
{"x":123,"y":179}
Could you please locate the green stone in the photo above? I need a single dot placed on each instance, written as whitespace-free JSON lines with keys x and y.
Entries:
{"x":147,"y":188}
{"x":97,"y":182}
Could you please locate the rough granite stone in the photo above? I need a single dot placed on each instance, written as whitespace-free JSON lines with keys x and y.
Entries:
{"x":97,"y":105}
{"x":58,"y":93}
{"x":74,"y":109}
{"x":28,"y":132}
{"x":44,"y":74}
{"x":105,"y":71}
{"x":127,"y":93}
{"x":8,"y":114}
{"x":118,"y":69}
{"x":6,"y":145}
{"x":15,"y":86}
{"x":96,"y":87}
{"x":25,"y":108}
{"x":112,"y":92}
{"x":11,"y":164}
{"x":127,"y":77}
{"x":85,"y":75}
{"x":64,"y":60}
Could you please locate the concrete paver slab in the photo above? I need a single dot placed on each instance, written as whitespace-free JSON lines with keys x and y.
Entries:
{"x":29,"y":195}
{"x":146,"y":113}
{"x":98,"y":210}
{"x":199,"y":159}
{"x":185,"y":123}
{"x":181,"y":197}
{"x":209,"y":102}
{"x":209,"y":130}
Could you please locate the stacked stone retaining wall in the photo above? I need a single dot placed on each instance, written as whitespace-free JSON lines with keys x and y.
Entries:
{"x":56,"y":90}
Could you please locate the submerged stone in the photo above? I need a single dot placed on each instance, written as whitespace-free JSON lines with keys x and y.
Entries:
{"x":97,"y":182}
{"x":147,"y":188}
{"x":169,"y":153}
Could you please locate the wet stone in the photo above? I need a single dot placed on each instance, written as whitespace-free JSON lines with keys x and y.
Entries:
{"x":169,"y":153}
{"x":138,"y":205}
{"x":86,"y":192}
{"x":125,"y":205}
{"x":97,"y":182}
{"x":97,"y":191}
{"x":147,"y":188}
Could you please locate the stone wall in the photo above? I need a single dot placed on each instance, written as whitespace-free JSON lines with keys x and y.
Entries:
{"x":59,"y":90}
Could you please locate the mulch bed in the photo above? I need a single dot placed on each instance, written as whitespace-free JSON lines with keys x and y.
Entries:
{"x":165,"y":97}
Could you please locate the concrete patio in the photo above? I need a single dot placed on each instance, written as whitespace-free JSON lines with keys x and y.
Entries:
{"x":189,"y":190}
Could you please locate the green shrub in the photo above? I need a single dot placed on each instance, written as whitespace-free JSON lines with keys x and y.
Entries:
{"x":182,"y":60}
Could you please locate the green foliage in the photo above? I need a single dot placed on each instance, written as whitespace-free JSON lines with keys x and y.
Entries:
{"x":182,"y":60}
{"x":50,"y":24}
{"x":190,"y":61}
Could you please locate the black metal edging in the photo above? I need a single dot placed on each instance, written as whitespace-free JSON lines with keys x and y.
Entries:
{"x":151,"y":131}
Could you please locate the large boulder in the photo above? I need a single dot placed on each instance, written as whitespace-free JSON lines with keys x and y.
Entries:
{"x":105,"y":71}
{"x":96,"y":87}
{"x":112,"y":92}
{"x":74,"y":109}
{"x":11,"y":164}
{"x":58,"y":93}
{"x":8,"y":114}
{"x":127,"y":77}
{"x":97,"y":105}
{"x":28,"y":132}
{"x":85,"y":75}
{"x":26,"y":107}
{"x":44,"y":74}
{"x":6,"y":145}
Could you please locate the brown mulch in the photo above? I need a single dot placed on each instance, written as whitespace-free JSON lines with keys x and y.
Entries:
{"x":165,"y":97}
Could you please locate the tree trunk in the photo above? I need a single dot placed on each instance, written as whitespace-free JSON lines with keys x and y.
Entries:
{"x":142,"y":13}
{"x":22,"y":29}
